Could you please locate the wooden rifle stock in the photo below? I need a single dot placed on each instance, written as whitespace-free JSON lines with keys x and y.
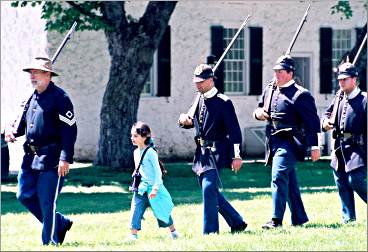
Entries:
{"x":338,"y":97}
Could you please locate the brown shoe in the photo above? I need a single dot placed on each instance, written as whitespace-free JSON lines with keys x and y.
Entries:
{"x":274,"y":223}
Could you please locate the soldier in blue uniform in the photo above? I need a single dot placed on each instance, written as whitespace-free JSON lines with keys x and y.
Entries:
{"x":217,"y":130}
{"x":291,"y":131}
{"x":50,"y":129}
{"x":347,"y":116}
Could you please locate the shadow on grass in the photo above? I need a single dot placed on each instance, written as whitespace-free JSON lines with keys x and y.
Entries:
{"x":180,"y":182}
{"x":319,"y":225}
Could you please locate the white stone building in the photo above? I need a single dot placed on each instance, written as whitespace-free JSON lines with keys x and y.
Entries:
{"x":196,"y":30}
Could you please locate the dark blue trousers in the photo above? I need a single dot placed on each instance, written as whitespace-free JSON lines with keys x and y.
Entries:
{"x":284,"y":184}
{"x":36,"y":192}
{"x":347,"y":183}
{"x":214,"y":203}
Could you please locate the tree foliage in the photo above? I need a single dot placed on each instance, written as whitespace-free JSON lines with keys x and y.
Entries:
{"x":131,"y":45}
{"x":343,"y":7}
{"x":60,"y":15}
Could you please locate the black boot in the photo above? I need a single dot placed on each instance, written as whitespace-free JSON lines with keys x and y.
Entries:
{"x":239,"y":228}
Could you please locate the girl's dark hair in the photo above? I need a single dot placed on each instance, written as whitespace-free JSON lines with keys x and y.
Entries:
{"x":143,"y":130}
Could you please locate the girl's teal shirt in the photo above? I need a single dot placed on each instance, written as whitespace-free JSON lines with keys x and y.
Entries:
{"x":162,"y":204}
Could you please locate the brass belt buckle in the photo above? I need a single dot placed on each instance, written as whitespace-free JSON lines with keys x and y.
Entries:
{"x":346,"y":136}
{"x":201,"y":141}
{"x":33,"y":149}
{"x":274,"y":124}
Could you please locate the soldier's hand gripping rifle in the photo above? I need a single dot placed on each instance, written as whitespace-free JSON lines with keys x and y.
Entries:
{"x":17,"y":126}
{"x":193,"y":107}
{"x":266,"y":105}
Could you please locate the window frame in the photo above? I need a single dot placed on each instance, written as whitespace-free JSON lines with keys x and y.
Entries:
{"x":308,"y":55}
{"x":245,"y":62}
{"x":152,"y":78}
{"x":335,"y":61}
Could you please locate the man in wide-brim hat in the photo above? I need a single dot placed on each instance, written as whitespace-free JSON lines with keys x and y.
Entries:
{"x":40,"y":71}
{"x":41,"y":63}
{"x":50,"y":130}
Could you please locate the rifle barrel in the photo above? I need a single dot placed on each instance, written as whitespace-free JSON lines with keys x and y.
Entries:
{"x":360,"y":49}
{"x":298,"y":31}
{"x":66,"y":38}
{"x":230,"y":44}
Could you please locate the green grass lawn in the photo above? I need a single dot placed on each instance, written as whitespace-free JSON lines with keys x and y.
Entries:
{"x":97,"y":200}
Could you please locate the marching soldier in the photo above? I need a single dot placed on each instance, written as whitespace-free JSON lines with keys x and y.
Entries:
{"x":347,"y":116}
{"x":217,"y":128}
{"x":291,"y":131}
{"x":50,"y":129}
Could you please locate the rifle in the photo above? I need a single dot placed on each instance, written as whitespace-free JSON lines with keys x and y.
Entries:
{"x":193,"y":107}
{"x":304,"y":19}
{"x":66,"y":38}
{"x":360,"y":49}
{"x":24,"y":106}
{"x":288,"y":51}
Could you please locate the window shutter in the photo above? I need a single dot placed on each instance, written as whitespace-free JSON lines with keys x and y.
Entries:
{"x":362,"y":63}
{"x":325,"y":60}
{"x":164,"y":64}
{"x":255,"y":60}
{"x":217,"y":48}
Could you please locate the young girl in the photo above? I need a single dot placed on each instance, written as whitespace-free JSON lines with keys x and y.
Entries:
{"x":151,"y":190}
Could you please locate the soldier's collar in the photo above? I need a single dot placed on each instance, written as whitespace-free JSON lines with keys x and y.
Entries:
{"x":287,"y":84}
{"x":47,"y":90}
{"x":211,"y":93}
{"x":353,"y":94}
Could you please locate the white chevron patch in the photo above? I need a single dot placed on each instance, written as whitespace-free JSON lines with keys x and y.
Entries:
{"x":70,"y":122}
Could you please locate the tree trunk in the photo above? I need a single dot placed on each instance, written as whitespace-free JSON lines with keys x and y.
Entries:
{"x":131,"y":47}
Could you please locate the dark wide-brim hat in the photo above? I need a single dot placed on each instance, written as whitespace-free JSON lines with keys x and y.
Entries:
{"x":41,"y":63}
{"x":285,"y":62}
{"x":346,"y":70}
{"x":203,"y":72}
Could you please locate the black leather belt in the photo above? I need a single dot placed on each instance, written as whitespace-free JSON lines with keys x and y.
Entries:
{"x":32,"y":149}
{"x":206,"y":143}
{"x":346,"y":135}
{"x":277,"y":125}
{"x":357,"y":138}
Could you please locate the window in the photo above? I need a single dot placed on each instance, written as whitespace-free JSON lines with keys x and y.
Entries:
{"x":302,"y":71}
{"x":234,"y":63}
{"x":151,"y":82}
{"x":245,"y":56}
{"x":334,"y":45}
{"x":159,"y":79}
{"x":342,"y":42}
